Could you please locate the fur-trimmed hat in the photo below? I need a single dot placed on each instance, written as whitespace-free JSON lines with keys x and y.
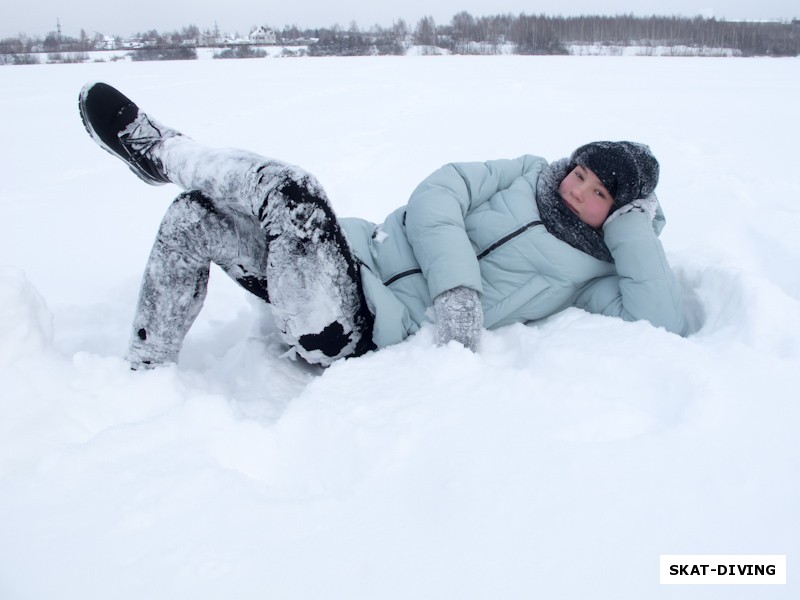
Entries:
{"x":628,"y":170}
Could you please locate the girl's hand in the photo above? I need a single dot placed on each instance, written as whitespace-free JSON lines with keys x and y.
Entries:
{"x":646,"y":205}
{"x":459,"y":317}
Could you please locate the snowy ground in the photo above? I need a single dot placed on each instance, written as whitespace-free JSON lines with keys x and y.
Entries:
{"x":558,"y":462}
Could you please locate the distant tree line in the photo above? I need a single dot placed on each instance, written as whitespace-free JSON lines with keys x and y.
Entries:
{"x":749,"y":38}
{"x":355,"y":42}
{"x":464,"y":34}
{"x":541,"y":34}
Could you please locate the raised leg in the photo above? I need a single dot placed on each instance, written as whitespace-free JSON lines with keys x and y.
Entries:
{"x":314,"y":284}
{"x":260,"y":219}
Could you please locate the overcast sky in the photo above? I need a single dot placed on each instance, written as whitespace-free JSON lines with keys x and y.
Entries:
{"x":115,"y":17}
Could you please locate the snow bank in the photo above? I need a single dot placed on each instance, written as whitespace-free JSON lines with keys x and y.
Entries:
{"x":25,"y":321}
{"x":560,"y":461}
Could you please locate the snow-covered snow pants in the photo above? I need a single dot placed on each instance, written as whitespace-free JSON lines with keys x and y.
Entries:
{"x":270,"y":227}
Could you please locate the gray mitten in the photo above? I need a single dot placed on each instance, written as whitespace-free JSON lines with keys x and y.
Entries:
{"x":459,"y":317}
{"x":646,"y":205}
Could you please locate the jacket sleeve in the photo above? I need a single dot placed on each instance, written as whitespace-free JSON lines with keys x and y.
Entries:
{"x":435,"y":217}
{"x":644,"y":288}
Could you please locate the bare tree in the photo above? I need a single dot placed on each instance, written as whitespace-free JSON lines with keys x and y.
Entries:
{"x":425,"y":33}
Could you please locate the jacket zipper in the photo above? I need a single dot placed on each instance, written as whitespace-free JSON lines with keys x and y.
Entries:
{"x":503,"y":240}
{"x":508,"y":238}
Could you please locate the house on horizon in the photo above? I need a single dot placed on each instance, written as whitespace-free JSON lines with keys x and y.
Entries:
{"x":263,"y":35}
{"x":107,"y":43}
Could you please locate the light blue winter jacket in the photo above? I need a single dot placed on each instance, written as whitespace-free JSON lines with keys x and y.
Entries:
{"x":477,"y":225}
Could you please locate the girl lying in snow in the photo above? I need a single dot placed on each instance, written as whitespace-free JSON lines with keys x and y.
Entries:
{"x":483,"y":244}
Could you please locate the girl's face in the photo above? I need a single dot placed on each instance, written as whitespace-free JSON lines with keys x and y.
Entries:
{"x":584,"y":193}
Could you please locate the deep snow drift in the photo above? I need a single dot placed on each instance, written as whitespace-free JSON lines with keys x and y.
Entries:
{"x":558,"y":462}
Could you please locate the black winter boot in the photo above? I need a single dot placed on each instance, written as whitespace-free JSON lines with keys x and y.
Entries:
{"x":119,"y":127}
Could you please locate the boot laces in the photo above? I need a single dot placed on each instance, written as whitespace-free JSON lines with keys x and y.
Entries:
{"x":142,"y":135}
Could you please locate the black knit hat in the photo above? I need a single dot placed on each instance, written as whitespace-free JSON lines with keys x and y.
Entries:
{"x":628,"y":170}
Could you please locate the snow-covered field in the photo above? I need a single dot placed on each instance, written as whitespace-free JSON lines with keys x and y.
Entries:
{"x":558,"y":462}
